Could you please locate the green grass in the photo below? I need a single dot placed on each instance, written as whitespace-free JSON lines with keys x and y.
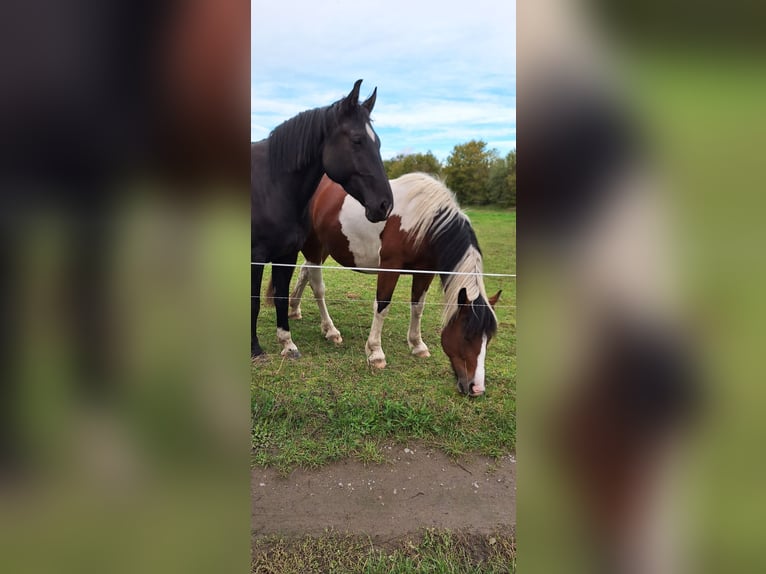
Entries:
{"x":329,"y":404}
{"x":430,"y":551}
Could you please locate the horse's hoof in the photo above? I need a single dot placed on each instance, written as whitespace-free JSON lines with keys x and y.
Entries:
{"x":377,"y":363}
{"x":337,"y":339}
{"x":259,"y":359}
{"x":291,"y":353}
{"x":422,"y":354}
{"x":295,"y":315}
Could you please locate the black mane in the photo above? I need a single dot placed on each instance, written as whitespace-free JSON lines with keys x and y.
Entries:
{"x":480,"y":321}
{"x":454,"y":236}
{"x":297,"y":142}
{"x":451,"y":241}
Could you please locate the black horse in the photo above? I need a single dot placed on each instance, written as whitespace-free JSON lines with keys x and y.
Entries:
{"x":285,"y":170}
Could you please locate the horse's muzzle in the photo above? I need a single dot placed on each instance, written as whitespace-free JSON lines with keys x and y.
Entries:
{"x":379,"y":213}
{"x":470,"y":388}
{"x":474,"y":390}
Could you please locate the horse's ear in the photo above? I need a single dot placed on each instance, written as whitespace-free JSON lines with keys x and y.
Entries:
{"x":350,"y":102}
{"x":369,"y":103}
{"x":462,"y":297}
{"x":494,"y":298}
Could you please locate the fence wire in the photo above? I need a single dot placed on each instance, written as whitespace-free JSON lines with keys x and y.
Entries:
{"x":381,"y":270}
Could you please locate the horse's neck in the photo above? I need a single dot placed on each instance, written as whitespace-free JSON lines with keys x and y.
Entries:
{"x":457,"y":253}
{"x":305,"y":181}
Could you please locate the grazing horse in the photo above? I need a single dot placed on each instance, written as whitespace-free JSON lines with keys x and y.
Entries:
{"x":425,"y":231}
{"x":285,"y":169}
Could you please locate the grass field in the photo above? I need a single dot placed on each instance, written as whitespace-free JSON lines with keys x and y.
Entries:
{"x":329,"y":404}
{"x":430,"y":551}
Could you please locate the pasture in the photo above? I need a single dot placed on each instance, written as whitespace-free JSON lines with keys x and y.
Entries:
{"x":431,"y":551}
{"x":330,"y":405}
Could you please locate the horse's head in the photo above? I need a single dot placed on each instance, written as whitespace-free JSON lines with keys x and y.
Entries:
{"x":351,"y":156}
{"x":465,"y":339}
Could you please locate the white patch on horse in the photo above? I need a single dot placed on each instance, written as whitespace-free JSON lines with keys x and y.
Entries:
{"x":363,"y":236}
{"x":369,"y":131}
{"x":478,"y":378}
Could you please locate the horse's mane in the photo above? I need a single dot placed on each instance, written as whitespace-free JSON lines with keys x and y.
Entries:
{"x":295,"y":143}
{"x":426,"y":205}
{"x":432,"y":212}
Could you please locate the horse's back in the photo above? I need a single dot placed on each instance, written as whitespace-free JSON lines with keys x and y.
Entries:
{"x":330,"y":196}
{"x":418,"y":188}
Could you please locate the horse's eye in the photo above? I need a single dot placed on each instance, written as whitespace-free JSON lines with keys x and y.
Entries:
{"x":356,"y":140}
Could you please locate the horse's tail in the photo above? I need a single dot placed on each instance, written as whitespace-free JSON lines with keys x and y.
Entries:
{"x":268,"y":300}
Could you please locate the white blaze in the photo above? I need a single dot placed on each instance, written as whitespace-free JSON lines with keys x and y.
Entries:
{"x":370,"y":132}
{"x":478,"y":378}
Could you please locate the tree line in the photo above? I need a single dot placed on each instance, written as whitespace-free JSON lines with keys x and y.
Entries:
{"x":477,"y":175}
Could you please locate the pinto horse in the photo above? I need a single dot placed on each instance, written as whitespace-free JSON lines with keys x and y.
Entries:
{"x":285,"y":169}
{"x":425,"y":231}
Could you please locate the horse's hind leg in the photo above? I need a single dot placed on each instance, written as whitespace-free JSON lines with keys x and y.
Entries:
{"x":374,"y":349}
{"x":313,"y":276}
{"x":256,"y":275}
{"x":280,"y":277}
{"x":297,"y":293}
{"x":420,"y":284}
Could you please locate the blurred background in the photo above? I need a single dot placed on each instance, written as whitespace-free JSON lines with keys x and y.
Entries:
{"x":124,"y":443}
{"x":641,"y":128}
{"x":123,"y":286}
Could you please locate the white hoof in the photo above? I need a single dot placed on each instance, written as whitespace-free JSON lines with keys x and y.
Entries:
{"x":293,"y":353}
{"x":334,"y":338}
{"x":332,"y":334}
{"x":376,"y":363}
{"x":420,"y":350}
{"x":376,"y":359}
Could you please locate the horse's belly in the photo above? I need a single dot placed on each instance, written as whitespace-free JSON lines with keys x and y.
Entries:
{"x":362,"y":235}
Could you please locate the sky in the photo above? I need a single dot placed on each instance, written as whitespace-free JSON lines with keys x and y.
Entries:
{"x":445,"y":70}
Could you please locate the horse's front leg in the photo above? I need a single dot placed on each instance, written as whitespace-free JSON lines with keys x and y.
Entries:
{"x":386,"y":284}
{"x":328,"y":327}
{"x":280,"y":277}
{"x":256,"y":275}
{"x":420,"y":284}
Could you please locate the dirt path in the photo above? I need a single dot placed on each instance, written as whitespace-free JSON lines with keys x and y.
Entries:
{"x":417,"y":487}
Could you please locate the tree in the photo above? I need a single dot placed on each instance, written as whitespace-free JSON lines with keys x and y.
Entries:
{"x":401,"y":164}
{"x":502,"y":180}
{"x":498,"y":172}
{"x":510,"y":160}
{"x":467,"y":172}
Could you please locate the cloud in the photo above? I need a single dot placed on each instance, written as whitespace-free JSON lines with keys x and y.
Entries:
{"x":445,"y":113}
{"x":445,"y":71}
